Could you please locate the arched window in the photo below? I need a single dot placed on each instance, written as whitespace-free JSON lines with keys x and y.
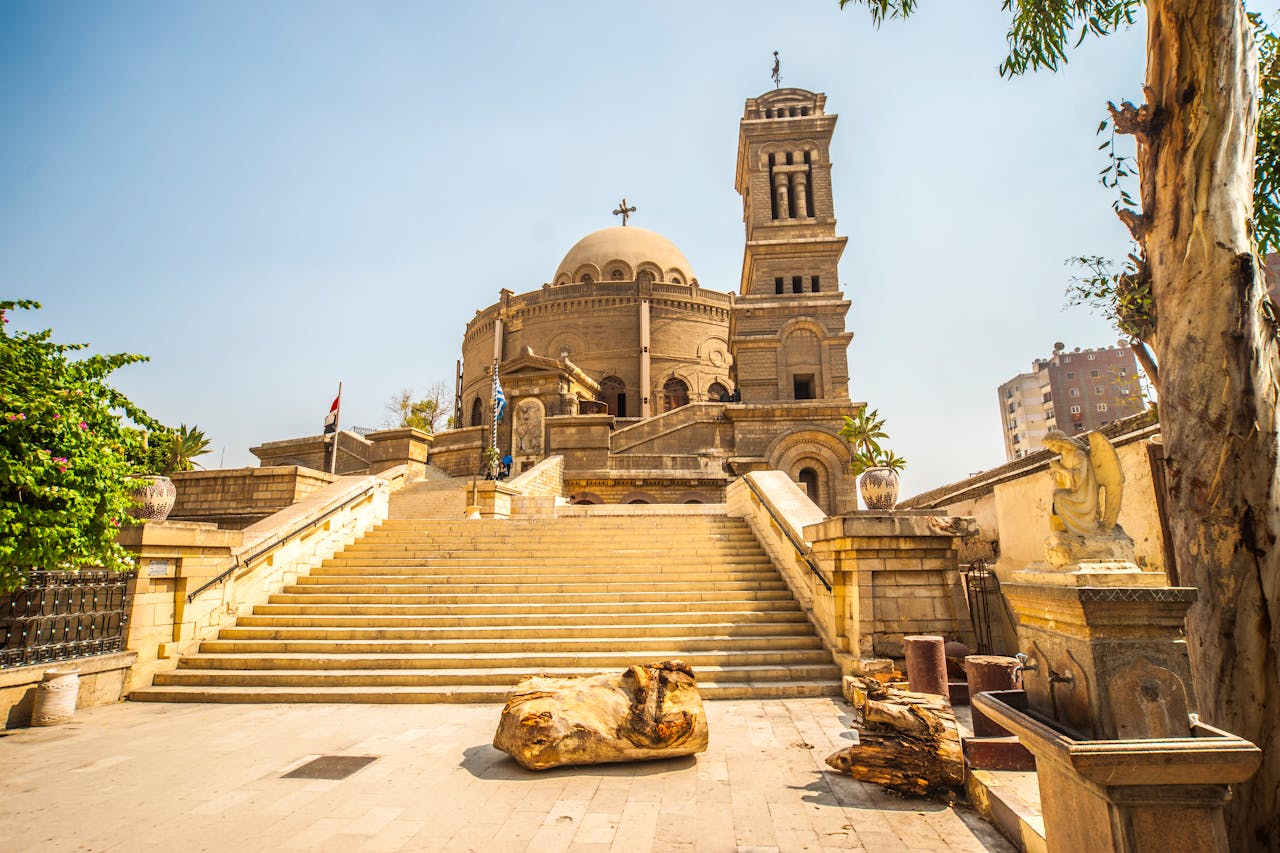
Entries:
{"x":717,"y":393}
{"x":613,"y":393}
{"x":477,"y":412}
{"x":809,"y":478}
{"x":674,"y":394}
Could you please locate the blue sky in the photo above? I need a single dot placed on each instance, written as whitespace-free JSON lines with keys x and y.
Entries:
{"x":268,"y":198}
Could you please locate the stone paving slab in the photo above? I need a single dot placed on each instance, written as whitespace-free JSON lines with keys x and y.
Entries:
{"x":148,"y":777}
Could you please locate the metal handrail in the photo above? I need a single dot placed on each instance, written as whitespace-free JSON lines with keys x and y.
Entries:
{"x":801,"y":549}
{"x":278,"y":540}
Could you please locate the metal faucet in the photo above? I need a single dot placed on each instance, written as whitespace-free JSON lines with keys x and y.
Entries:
{"x":1025,"y":664}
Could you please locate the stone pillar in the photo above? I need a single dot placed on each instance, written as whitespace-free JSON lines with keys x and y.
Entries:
{"x":926,"y":664}
{"x":802,"y":194}
{"x":989,"y":672}
{"x":646,"y":408}
{"x":780,"y":195}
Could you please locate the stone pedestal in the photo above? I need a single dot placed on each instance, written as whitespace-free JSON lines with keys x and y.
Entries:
{"x":1106,"y":653}
{"x":1128,"y":795}
{"x":1105,"y":710}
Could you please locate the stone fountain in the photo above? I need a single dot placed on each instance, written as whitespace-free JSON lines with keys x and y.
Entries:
{"x":1107,"y":706}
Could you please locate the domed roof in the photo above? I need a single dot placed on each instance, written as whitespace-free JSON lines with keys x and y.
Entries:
{"x":619,"y":253}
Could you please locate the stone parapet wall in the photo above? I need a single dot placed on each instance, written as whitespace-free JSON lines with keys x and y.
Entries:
{"x":460,"y":452}
{"x":104,"y":680}
{"x":235,"y":498}
{"x":177,"y":558}
{"x":357,"y":454}
{"x":1011,"y":503}
{"x":546,"y":479}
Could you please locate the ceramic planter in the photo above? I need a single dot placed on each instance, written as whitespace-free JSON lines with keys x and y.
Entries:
{"x":155,"y":496}
{"x":879,"y":487}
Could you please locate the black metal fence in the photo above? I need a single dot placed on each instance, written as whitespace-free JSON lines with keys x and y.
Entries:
{"x":62,"y":615}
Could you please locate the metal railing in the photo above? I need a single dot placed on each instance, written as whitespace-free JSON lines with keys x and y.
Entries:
{"x":800,"y":547}
{"x":60,"y":615}
{"x":239,"y":562}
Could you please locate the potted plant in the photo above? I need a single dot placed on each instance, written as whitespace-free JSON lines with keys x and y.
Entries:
{"x":491,"y":460}
{"x":167,"y":451}
{"x":877,"y":465}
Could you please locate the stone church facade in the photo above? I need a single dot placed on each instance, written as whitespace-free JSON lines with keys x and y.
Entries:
{"x":656,"y":389}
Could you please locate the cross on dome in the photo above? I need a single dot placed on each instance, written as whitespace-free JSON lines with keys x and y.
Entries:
{"x":624,"y":211}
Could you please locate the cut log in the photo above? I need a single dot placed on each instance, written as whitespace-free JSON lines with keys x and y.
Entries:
{"x":644,"y":713}
{"x":908,"y":742}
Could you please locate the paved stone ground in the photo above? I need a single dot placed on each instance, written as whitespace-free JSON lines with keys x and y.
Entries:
{"x":208,"y":777}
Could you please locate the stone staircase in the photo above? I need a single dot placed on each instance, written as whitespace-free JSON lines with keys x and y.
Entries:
{"x":450,"y":610}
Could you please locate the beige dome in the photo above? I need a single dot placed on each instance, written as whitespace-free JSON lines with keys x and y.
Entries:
{"x":620,"y":253}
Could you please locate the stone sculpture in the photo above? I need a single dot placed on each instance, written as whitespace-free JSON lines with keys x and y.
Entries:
{"x":647,"y":712}
{"x":1088,"y":487}
{"x":529,"y":427}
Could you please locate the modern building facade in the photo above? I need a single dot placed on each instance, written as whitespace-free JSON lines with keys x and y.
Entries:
{"x":1072,"y":391}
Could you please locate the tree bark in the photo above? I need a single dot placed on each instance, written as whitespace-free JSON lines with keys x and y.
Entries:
{"x":1218,"y":375}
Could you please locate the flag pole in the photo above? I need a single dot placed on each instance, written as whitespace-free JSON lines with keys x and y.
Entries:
{"x":333,"y":453}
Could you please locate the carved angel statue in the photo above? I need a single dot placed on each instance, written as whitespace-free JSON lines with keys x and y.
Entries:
{"x":1088,"y":486}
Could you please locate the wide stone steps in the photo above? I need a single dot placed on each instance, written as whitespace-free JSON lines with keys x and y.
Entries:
{"x":509,"y":632}
{"x":449,"y":610}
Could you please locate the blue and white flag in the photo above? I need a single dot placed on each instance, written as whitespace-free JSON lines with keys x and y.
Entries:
{"x":499,"y":399}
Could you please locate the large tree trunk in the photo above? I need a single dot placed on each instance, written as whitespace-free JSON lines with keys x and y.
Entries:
{"x":1218,"y":372}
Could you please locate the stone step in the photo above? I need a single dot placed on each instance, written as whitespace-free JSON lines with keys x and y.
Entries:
{"x":305,"y":606}
{"x":458,"y":694}
{"x":530,"y":587}
{"x":536,"y":598}
{"x":482,"y":562}
{"x":508,"y":632}
{"x":321,"y":576}
{"x":508,"y":676}
{"x":674,"y":646}
{"x":502,"y":621}
{"x":525,"y":659}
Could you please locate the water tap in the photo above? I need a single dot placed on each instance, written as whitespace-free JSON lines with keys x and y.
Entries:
{"x":1025,"y":664}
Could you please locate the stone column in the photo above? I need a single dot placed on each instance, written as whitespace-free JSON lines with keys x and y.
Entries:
{"x":989,"y":672}
{"x":645,"y":389}
{"x":926,"y":664}
{"x":802,"y":193}
{"x":780,"y":195}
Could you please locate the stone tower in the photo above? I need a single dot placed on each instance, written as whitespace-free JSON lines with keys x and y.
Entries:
{"x":786,"y":330}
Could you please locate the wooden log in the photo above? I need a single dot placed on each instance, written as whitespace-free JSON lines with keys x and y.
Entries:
{"x":908,"y":742}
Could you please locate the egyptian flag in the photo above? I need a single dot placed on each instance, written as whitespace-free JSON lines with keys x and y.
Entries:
{"x":331,"y":419}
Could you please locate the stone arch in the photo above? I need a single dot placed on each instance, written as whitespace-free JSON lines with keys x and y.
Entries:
{"x":675,"y":393}
{"x":637,"y":498}
{"x":675,"y":275}
{"x":613,"y":393}
{"x":618,"y":270}
{"x":826,"y":454}
{"x":791,"y":146}
{"x":477,"y":413}
{"x":717,"y":392}
{"x":693,"y":498}
{"x":801,"y":357}
{"x":563,"y":278}
{"x":587,"y":273}
{"x":585,"y":498}
{"x":651,"y":268}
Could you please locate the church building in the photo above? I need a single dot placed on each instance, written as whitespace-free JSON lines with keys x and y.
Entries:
{"x":657,"y":389}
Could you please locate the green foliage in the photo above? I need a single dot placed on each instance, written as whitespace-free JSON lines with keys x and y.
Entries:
{"x":1266,"y":170}
{"x":1042,"y":30}
{"x":169,"y":450}
{"x":66,"y":455}
{"x":864,"y":434}
{"x":424,"y":413}
{"x":1120,"y":293}
{"x":882,"y":9}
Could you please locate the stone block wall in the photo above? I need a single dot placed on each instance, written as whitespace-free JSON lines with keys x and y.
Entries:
{"x":235,"y":498}
{"x":104,"y":680}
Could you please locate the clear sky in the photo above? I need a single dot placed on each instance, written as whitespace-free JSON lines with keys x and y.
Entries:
{"x":267,"y":198}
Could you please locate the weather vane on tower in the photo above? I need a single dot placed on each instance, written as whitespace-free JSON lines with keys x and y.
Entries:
{"x":777,"y":71}
{"x":624,"y":211}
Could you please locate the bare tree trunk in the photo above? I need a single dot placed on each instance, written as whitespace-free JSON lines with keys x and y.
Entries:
{"x":1218,"y":372}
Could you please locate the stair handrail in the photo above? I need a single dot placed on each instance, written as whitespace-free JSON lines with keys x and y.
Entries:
{"x":238,"y":562}
{"x":803,"y":550}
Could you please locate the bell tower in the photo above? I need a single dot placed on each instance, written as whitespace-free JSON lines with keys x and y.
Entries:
{"x":786,"y":330}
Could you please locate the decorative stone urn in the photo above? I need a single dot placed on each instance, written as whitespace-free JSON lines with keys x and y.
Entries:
{"x":155,"y":496}
{"x":879,"y":487}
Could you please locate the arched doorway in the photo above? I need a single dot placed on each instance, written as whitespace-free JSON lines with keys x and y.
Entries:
{"x":809,"y":478}
{"x":613,"y":393}
{"x":717,"y":393}
{"x":674,"y":394}
{"x":477,"y":412}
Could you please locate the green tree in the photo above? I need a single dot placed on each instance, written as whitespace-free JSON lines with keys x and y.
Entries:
{"x":426,"y":413}
{"x":1212,"y":329}
{"x":66,"y":455}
